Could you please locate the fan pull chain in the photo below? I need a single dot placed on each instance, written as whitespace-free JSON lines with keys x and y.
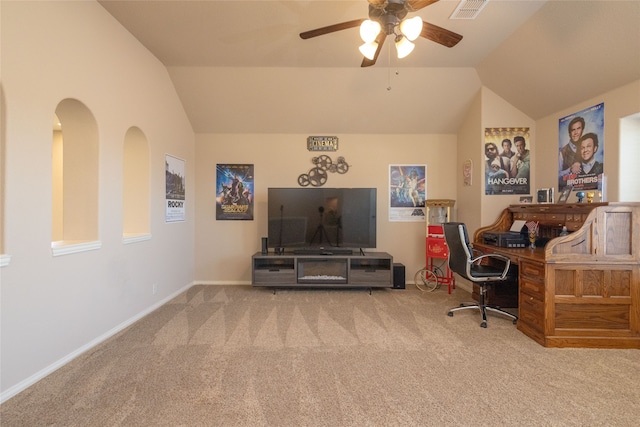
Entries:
{"x":388,"y":66}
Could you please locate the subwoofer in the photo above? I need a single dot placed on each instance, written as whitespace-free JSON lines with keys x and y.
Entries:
{"x":398,"y":276}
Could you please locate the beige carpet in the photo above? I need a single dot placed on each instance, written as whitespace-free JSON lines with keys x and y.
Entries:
{"x":238,"y":356}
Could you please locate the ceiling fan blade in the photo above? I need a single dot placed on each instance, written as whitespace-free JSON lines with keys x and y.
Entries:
{"x":366,"y":62}
{"x":331,"y":29}
{"x":440,"y":35}
{"x":378,"y":4}
{"x":414,"y":5}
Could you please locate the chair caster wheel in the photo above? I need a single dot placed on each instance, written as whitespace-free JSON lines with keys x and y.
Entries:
{"x":515,"y":321}
{"x":483,"y":324}
{"x":461,"y":304}
{"x":450,"y":314}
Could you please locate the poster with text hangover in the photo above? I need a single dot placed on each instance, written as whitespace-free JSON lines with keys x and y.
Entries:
{"x":234,"y":192}
{"x":581,"y":149}
{"x":507,"y":160}
{"x":407,"y":192}
{"x":174,"y":189}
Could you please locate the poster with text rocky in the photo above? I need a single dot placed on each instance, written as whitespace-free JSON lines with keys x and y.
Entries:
{"x":507,"y":160}
{"x":581,"y":149}
{"x":174,"y":172}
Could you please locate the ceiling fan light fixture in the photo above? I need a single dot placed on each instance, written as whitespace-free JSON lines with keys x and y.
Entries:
{"x":368,"y":50}
{"x":404,"y":47}
{"x":369,"y":30}
{"x":411,"y":28}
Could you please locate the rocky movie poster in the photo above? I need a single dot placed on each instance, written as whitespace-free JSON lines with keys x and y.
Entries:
{"x":507,"y":162}
{"x":234,"y":192}
{"x":174,"y":172}
{"x":581,"y":149}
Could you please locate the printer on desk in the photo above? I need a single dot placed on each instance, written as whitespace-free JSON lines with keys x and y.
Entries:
{"x":505,"y":239}
{"x":514,"y":238}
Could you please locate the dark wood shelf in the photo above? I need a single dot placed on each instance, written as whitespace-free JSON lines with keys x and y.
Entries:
{"x":371,"y":270}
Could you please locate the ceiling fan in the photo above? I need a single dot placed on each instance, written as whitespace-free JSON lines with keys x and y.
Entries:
{"x":388,"y":18}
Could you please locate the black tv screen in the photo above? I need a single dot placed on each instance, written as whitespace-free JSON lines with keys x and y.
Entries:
{"x":322,"y":217}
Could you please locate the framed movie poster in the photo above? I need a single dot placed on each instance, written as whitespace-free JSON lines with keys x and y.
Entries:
{"x":507,"y":163}
{"x":174,"y":188}
{"x":581,"y":149}
{"x":234,"y":192}
{"x":407,"y":192}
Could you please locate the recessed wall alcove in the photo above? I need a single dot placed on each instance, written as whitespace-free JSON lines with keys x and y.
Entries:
{"x":135,"y":187}
{"x":629,"y":174}
{"x":74,"y":178}
{"x":4,"y":257}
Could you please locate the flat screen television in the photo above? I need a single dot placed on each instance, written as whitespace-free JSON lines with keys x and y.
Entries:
{"x":317,"y":219}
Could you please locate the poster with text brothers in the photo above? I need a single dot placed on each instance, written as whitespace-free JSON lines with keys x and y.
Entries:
{"x":581,"y":149}
{"x":234,"y":192}
{"x":507,"y":160}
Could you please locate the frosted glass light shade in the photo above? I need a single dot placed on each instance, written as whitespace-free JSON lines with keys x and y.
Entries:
{"x":369,"y":49}
{"x":411,"y":28}
{"x":404,"y":47}
{"x":369,"y":30}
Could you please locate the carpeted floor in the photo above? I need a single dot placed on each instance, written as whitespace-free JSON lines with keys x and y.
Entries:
{"x":238,"y":356}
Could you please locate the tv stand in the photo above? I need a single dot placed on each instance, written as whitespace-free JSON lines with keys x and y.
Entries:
{"x":372,"y":270}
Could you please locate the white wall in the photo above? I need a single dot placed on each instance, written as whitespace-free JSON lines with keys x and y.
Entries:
{"x":618,"y":103}
{"x":497,"y":112}
{"x":469,"y":137}
{"x":490,"y":110}
{"x":224,"y":248}
{"x":54,"y":307}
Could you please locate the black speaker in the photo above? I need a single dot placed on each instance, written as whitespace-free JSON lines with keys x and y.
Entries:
{"x":265,"y":246}
{"x":398,"y":276}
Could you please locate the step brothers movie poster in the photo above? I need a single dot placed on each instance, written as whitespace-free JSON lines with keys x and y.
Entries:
{"x":507,"y":160}
{"x":234,"y":192}
{"x":581,"y":150}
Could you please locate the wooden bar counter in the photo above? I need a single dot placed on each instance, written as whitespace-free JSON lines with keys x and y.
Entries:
{"x":583,"y":289}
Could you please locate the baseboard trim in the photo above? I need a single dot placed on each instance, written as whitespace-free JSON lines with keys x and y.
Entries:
{"x":465,"y":286}
{"x":221,"y":282}
{"x":23,"y":385}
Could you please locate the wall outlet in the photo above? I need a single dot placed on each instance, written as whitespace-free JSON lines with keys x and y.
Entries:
{"x":154,"y":288}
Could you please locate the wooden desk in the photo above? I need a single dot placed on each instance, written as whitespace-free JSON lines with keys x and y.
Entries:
{"x":580,"y":290}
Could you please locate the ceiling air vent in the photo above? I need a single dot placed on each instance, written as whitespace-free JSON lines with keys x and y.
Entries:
{"x":468,"y":9}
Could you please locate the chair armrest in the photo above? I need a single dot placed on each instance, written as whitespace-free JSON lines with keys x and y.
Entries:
{"x":505,"y":259}
{"x":476,"y":253}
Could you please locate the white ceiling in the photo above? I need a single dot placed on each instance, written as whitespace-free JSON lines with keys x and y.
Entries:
{"x":240,"y":66}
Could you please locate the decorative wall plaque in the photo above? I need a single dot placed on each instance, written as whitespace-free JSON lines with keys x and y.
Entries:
{"x":322,"y":143}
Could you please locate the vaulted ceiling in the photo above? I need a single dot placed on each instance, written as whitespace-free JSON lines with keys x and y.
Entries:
{"x":240,"y":66}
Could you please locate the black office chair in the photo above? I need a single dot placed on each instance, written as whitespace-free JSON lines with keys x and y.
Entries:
{"x":463,"y":262}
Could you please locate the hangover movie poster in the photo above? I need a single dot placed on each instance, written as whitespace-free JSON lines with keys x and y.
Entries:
{"x":507,"y":160}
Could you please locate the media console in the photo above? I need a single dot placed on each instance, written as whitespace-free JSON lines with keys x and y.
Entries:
{"x":369,"y":270}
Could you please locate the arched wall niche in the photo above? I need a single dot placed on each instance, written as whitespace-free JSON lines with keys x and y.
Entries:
{"x":4,"y":259}
{"x":629,"y":174}
{"x":75,"y":162}
{"x":136,"y":185}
